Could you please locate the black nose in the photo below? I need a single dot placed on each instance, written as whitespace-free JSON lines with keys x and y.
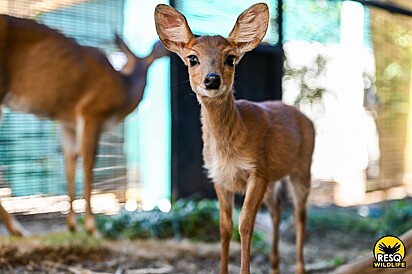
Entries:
{"x":212,"y":81}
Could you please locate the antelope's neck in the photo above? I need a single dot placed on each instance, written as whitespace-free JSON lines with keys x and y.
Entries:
{"x":225,"y":151}
{"x":221,"y":121}
{"x":135,"y":85}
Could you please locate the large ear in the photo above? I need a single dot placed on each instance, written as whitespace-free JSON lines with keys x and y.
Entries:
{"x":250,"y":27}
{"x":131,"y":58}
{"x":172,"y":28}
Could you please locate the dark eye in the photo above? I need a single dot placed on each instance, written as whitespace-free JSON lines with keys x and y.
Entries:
{"x":193,"y":61}
{"x":230,"y":60}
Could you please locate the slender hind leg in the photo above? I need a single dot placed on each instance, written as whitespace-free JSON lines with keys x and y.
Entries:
{"x":90,"y":138}
{"x":301,"y":188}
{"x":273,"y":203}
{"x":70,"y":150}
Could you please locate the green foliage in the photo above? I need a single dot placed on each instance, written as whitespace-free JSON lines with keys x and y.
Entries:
{"x":337,"y":261}
{"x":187,"y":219}
{"x":340,"y":219}
{"x":393,"y":218}
{"x":307,"y":78}
{"x":197,"y":220}
{"x":78,"y":239}
{"x":397,"y":218}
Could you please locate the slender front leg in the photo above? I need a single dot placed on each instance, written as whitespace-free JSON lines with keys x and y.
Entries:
{"x":12,"y":225}
{"x":90,"y":137}
{"x":273,"y":204}
{"x":70,"y":150}
{"x":225,"y":198}
{"x":255,"y":192}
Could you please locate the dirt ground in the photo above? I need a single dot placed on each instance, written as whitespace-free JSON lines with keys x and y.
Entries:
{"x":53,"y":250}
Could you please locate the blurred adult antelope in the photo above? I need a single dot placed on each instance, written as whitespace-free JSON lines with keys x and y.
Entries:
{"x":247,"y":146}
{"x":47,"y":74}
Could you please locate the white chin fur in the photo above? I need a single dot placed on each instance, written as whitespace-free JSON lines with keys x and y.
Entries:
{"x":211,"y":93}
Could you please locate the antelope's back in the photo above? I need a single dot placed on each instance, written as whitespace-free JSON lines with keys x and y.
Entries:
{"x":283,"y":131}
{"x":48,"y":74}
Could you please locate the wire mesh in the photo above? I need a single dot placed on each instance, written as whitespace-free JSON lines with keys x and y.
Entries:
{"x":348,"y":67}
{"x":393,"y":47}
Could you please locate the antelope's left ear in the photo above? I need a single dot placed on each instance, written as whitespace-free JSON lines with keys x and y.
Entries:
{"x":250,"y":27}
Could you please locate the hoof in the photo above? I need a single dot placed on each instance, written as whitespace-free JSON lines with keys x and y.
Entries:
{"x":90,"y":225}
{"x":18,"y":230}
{"x":71,"y":221}
{"x":300,"y":269}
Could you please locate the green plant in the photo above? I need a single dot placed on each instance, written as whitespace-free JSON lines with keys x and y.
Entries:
{"x":197,"y":220}
{"x":337,"y":261}
{"x":187,"y":219}
{"x":340,"y":219}
{"x":392,"y":218}
{"x":396,"y":218}
{"x":306,"y":78}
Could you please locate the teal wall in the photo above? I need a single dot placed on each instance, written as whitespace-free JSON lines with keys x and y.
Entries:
{"x":200,"y":14}
{"x":30,"y":161}
{"x":317,"y":21}
{"x":148,"y":129}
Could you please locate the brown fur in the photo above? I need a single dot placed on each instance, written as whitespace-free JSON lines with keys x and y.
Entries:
{"x":44,"y":73}
{"x":247,"y":146}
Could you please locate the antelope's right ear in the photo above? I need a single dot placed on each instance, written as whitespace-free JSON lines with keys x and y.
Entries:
{"x":172,"y":28}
